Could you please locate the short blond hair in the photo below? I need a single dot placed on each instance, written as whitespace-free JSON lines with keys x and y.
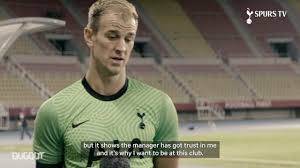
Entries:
{"x":100,"y":7}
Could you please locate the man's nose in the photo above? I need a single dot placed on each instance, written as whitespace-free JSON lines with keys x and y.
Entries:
{"x":120,"y":46}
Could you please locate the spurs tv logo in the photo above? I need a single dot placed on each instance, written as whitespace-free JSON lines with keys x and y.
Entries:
{"x":265,"y":14}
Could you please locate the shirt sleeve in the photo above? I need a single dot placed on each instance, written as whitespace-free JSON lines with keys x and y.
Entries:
{"x":168,"y":121}
{"x":48,"y":137}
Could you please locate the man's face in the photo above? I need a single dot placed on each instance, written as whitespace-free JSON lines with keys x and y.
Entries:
{"x":111,"y":46}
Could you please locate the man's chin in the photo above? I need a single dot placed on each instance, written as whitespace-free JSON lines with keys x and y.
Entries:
{"x":115,"y":71}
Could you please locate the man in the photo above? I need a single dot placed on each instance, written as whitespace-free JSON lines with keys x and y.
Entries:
{"x":105,"y":105}
{"x":24,"y":126}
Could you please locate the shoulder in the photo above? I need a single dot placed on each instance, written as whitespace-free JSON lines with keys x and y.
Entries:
{"x":143,"y":88}
{"x":65,"y":96}
{"x":69,"y":91}
{"x":59,"y":105}
{"x":153,"y":97}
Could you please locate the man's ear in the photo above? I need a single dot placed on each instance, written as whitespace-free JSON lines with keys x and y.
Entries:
{"x":89,"y":37}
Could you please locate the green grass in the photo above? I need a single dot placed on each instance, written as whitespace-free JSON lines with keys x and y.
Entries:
{"x":253,"y":149}
{"x":15,"y":148}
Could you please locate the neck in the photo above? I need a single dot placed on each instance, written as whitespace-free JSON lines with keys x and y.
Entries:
{"x":104,"y":83}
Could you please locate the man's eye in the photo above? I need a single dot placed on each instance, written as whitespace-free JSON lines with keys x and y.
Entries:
{"x":128,"y":39}
{"x":112,"y":37}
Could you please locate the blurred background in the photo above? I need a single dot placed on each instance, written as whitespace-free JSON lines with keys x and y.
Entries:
{"x":231,"y":81}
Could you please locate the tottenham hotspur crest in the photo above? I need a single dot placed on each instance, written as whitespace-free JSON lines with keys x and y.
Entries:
{"x":141,"y":116}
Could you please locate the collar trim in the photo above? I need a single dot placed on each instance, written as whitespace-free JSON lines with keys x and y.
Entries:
{"x":99,"y":96}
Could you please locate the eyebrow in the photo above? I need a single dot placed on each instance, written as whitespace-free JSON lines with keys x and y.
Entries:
{"x":116,"y":32}
{"x":112,"y":31}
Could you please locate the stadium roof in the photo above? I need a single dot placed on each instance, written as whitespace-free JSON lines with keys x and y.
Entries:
{"x":12,"y":29}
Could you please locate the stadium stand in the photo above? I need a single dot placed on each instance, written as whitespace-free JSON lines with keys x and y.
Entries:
{"x":184,"y":36}
{"x":207,"y":16}
{"x":209,"y":79}
{"x":55,"y":72}
{"x":24,"y":45}
{"x":272,"y":78}
{"x":148,"y":71}
{"x":15,"y":92}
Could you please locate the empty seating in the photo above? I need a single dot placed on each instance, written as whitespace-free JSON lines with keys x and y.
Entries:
{"x":24,"y":45}
{"x":211,"y":20}
{"x":270,"y":79}
{"x":15,"y":92}
{"x":209,"y":79}
{"x":177,"y":28}
{"x":55,"y":72}
{"x":147,"y":71}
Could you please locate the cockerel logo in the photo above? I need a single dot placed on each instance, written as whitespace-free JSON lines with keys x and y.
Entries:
{"x":249,"y":13}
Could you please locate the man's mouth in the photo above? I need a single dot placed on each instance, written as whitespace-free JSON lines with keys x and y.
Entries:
{"x":117,"y":58}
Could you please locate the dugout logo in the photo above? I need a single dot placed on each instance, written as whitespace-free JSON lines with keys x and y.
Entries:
{"x":27,"y":155}
{"x":264,"y":13}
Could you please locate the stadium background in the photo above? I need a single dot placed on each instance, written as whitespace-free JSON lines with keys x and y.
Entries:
{"x":230,"y":81}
